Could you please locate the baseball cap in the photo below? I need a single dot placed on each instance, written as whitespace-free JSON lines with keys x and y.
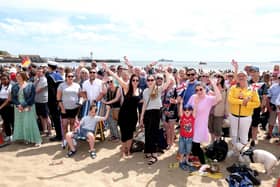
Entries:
{"x":188,"y":107}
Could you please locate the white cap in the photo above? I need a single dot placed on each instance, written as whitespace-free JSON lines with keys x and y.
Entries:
{"x":52,"y":63}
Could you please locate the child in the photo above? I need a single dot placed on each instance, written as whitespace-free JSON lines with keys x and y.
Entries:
{"x":86,"y":129}
{"x":186,"y":134}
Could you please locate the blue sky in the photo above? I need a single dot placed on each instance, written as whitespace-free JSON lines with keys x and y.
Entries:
{"x":215,"y":30}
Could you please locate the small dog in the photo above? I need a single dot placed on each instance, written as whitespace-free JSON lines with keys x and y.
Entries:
{"x":264,"y":157}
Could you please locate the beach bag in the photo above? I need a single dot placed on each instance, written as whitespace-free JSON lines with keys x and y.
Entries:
{"x":217,"y":150}
{"x":275,"y":130}
{"x":138,"y":142}
{"x":115,"y":113}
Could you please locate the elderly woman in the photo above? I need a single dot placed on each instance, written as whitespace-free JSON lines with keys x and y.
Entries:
{"x":67,"y":98}
{"x":242,"y":101}
{"x":23,"y":98}
{"x":203,"y":104}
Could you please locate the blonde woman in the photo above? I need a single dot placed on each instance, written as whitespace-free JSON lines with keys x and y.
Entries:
{"x":150,"y":116}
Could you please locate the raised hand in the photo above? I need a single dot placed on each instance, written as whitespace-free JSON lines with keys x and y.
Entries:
{"x":234,"y":64}
{"x":213,"y":80}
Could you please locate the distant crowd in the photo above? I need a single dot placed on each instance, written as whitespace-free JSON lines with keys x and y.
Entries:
{"x":67,"y":103}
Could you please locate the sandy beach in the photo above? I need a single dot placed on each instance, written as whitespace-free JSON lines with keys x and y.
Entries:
{"x":24,"y":165}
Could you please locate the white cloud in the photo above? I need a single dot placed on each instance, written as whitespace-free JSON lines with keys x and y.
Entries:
{"x":203,"y":24}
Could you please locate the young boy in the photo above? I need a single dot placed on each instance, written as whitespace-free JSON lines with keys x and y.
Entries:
{"x":86,"y":129}
{"x":186,"y":134}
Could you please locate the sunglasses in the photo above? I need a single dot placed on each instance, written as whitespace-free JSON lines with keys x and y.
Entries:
{"x":135,"y":80}
{"x":150,"y":80}
{"x":109,"y":82}
{"x":92,"y":72}
{"x":200,"y":89}
{"x":70,"y":76}
{"x":190,"y":74}
{"x":159,"y":78}
{"x":205,"y":76}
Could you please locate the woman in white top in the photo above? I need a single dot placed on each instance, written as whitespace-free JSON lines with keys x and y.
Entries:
{"x":6,"y":109}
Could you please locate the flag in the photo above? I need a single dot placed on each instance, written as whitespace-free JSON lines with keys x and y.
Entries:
{"x":25,"y":62}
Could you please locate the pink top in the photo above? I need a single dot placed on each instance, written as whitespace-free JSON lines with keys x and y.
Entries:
{"x":201,"y":133}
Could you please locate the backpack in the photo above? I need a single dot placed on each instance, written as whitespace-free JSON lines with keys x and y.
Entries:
{"x":217,"y":150}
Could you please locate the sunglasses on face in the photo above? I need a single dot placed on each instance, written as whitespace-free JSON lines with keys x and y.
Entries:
{"x":150,"y":80}
{"x":190,"y":74}
{"x":199,"y":89}
{"x":159,"y":78}
{"x":70,"y":76}
{"x":109,"y":81}
{"x":92,"y":72}
{"x":205,"y":76}
{"x":135,"y":80}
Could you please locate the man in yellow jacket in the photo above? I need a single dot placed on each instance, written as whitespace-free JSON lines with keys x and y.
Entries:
{"x":242,"y":101}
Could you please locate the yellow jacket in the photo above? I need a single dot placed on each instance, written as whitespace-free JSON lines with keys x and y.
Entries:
{"x":235,"y":99}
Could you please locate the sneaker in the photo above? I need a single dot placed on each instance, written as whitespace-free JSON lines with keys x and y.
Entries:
{"x":183,"y":166}
{"x":71,"y":153}
{"x":92,"y":154}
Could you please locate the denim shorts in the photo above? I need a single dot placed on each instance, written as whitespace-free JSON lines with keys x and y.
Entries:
{"x":82,"y":133}
{"x":185,"y":145}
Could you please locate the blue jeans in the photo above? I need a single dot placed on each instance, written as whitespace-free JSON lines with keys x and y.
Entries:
{"x":185,"y":145}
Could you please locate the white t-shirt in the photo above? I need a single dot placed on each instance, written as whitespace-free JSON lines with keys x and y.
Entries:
{"x":93,"y":90}
{"x":5,"y":91}
{"x":69,"y":95}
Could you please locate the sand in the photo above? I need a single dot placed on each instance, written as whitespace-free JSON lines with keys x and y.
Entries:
{"x":24,"y":165}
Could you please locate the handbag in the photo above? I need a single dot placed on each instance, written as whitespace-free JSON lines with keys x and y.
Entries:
{"x":115,"y":113}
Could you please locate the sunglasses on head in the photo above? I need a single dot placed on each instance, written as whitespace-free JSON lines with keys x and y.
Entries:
{"x":190,"y":74}
{"x":199,"y":89}
{"x":135,"y":80}
{"x":110,"y":81}
{"x":150,"y":80}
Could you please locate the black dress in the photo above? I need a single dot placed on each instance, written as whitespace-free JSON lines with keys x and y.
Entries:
{"x":128,"y":117}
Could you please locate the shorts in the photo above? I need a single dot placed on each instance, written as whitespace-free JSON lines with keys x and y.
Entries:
{"x":215,"y":124}
{"x":256,"y":117}
{"x":185,"y":145}
{"x":82,"y":133}
{"x":70,"y":113}
{"x":42,"y":109}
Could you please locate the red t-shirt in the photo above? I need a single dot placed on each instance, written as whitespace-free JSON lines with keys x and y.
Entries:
{"x":187,"y":126}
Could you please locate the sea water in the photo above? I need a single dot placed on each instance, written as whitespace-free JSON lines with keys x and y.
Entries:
{"x":263,"y":66}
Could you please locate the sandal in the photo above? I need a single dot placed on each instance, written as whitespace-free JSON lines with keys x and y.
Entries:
{"x":71,"y":153}
{"x":148,"y":155}
{"x":92,"y":154}
{"x":152,"y":160}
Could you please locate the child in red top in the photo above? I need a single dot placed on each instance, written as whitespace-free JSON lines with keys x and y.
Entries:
{"x":186,"y":134}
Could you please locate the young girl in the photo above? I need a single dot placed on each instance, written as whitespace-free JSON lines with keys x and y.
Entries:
{"x":186,"y":134}
{"x":86,"y":129}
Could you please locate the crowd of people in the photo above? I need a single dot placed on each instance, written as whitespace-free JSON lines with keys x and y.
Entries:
{"x":35,"y":100}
